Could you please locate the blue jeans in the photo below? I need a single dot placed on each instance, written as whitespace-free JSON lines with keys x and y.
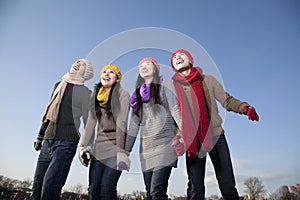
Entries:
{"x":220,"y":157}
{"x":103,"y":179}
{"x":156,"y":183}
{"x":52,"y":169}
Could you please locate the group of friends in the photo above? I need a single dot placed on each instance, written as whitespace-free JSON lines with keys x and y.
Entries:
{"x":173,"y":118}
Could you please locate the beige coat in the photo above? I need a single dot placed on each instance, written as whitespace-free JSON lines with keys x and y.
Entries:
{"x":214,"y":92}
{"x":110,"y":137}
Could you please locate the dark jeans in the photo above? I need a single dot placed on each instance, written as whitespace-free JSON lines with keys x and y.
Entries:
{"x":52,"y":169}
{"x":103,"y":179}
{"x":156,"y":183}
{"x":220,"y":157}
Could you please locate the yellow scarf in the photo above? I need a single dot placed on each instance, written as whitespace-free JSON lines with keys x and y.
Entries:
{"x":102,"y":96}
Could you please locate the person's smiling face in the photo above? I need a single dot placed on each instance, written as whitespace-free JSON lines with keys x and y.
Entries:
{"x":180,"y":61}
{"x":146,"y":70}
{"x":78,"y":67}
{"x":108,"y":78}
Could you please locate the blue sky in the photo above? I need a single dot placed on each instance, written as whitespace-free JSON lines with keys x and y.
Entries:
{"x":254,"y":45}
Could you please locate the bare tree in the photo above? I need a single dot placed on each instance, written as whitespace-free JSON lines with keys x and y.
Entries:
{"x":78,"y":189}
{"x":254,"y":187}
{"x":13,"y":183}
{"x":138,"y":194}
{"x":284,"y":192}
{"x":27,"y":183}
{"x":213,"y":197}
{"x":5,"y":182}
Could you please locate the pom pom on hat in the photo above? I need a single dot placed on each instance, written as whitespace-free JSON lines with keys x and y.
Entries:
{"x":186,"y":53}
{"x":89,"y":72}
{"x":151,"y":60}
{"x":114,"y":68}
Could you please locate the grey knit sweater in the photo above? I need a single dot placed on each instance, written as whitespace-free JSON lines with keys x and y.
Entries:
{"x":157,"y":127}
{"x":73,"y":106}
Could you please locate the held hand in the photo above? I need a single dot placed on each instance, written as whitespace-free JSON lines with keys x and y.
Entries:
{"x":37,"y":144}
{"x":251,"y":112}
{"x":123,"y":162}
{"x":122,"y":166}
{"x":178,"y":145}
{"x":84,"y":156}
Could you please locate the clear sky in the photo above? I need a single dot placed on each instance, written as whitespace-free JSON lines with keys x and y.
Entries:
{"x":254,"y":45}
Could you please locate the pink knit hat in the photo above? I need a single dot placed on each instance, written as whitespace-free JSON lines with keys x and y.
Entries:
{"x":186,"y":53}
{"x":151,"y":60}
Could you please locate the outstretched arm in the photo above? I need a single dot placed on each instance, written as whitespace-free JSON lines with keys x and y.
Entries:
{"x":230,"y":103}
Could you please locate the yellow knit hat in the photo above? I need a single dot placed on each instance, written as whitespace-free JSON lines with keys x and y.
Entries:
{"x":114,"y":68}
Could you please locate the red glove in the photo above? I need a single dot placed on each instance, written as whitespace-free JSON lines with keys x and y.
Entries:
{"x":251,"y":112}
{"x":178,"y":145}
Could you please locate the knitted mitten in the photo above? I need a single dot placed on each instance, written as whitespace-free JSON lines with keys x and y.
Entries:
{"x":178,"y":145}
{"x":85,"y":155}
{"x":251,"y":113}
{"x":38,"y":142}
{"x":123,"y":162}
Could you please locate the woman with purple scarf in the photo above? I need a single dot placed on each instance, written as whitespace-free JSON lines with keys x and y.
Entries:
{"x":156,"y":114}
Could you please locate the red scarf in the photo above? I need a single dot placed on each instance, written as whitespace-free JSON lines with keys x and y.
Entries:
{"x":195,"y":128}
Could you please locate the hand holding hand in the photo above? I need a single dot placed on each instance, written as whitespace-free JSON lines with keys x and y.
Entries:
{"x":178,"y":145}
{"x":123,"y":162}
{"x":251,"y":112}
{"x":122,"y":166}
{"x":85,"y":155}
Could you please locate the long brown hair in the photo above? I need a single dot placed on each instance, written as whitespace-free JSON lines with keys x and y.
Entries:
{"x":112,"y":107}
{"x":154,"y":92}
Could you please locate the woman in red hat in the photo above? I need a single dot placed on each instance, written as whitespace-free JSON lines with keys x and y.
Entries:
{"x":202,"y":130}
{"x":155,"y":113}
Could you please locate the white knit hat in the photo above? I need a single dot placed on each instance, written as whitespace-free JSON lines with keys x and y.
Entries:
{"x":89,"y":72}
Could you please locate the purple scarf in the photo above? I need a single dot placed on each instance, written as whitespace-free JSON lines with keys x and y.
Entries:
{"x":144,"y":92}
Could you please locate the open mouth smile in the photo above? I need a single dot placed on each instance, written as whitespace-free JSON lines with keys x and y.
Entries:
{"x":106,"y":78}
{"x":76,"y":67}
{"x":179,"y":61}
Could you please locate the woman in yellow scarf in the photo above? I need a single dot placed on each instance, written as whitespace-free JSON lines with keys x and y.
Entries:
{"x":105,"y":153}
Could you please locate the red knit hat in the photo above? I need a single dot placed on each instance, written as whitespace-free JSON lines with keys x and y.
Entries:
{"x":151,"y":60}
{"x":186,"y":53}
